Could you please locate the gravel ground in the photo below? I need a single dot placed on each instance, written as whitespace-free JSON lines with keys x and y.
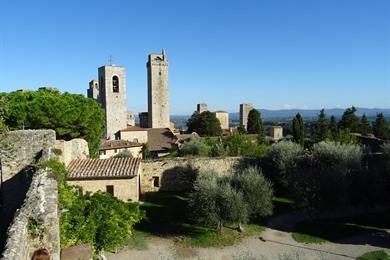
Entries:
{"x":273,"y":244}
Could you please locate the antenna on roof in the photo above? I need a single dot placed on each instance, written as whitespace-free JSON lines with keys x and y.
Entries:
{"x":110,"y":60}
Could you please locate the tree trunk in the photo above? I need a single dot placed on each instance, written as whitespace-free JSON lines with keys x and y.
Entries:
{"x":240,"y":228}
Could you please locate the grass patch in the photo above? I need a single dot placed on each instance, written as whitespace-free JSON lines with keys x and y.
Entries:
{"x":375,"y":255}
{"x":206,"y":237}
{"x":166,"y":217}
{"x":320,"y":231}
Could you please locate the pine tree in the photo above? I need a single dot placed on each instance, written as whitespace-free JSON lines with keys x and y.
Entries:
{"x":298,"y":130}
{"x":381,"y":128}
{"x":321,"y":127}
{"x":349,"y":120}
{"x":333,"y":128}
{"x":364,"y":126}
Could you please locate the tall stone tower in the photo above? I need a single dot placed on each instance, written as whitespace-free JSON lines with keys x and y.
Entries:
{"x":158,"y":92}
{"x":244,"y":112}
{"x":112,"y":96}
{"x":201,"y":107}
{"x":93,"y":91}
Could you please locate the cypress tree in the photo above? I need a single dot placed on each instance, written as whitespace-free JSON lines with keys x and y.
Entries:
{"x":298,"y":130}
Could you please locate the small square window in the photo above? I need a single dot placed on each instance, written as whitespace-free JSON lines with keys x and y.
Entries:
{"x":110,"y":189}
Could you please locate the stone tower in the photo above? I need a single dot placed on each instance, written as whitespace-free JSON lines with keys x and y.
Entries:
{"x":158,"y":93}
{"x":93,"y":91}
{"x":244,"y":112}
{"x":112,"y":97}
{"x":201,"y":107}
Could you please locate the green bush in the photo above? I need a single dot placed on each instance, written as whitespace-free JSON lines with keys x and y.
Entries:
{"x":257,"y":191}
{"x":241,"y":145}
{"x":280,"y":162}
{"x":219,"y":201}
{"x":325,"y":178}
{"x":194,"y":148}
{"x":344,"y":157}
{"x":100,"y":220}
{"x":124,"y":154}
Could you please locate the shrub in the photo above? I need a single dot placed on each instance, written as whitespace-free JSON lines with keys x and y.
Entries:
{"x":124,"y":154}
{"x":100,"y":220}
{"x":336,"y":155}
{"x":194,"y":148}
{"x":280,"y":161}
{"x":241,"y":145}
{"x":323,"y":179}
{"x":218,"y":201}
{"x":257,"y":191}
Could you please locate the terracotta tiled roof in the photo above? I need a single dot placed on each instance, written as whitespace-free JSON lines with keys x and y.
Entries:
{"x":134,"y":128}
{"x":161,"y":139}
{"x":113,"y":168}
{"x":117,"y":144}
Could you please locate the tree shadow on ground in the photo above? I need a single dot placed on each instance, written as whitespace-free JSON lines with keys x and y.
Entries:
{"x":166,"y":215}
{"x":13,"y":193}
{"x":368,"y":229}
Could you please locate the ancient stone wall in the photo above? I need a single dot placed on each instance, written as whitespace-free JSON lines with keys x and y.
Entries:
{"x":23,"y":148}
{"x":36,"y":223}
{"x":177,"y":174}
{"x":72,"y":150}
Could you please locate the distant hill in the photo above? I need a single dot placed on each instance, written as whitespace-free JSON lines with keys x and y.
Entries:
{"x":309,"y":113}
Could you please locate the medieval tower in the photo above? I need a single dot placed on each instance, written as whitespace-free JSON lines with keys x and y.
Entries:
{"x":158,"y":94}
{"x":244,"y":112}
{"x":112,"y":96}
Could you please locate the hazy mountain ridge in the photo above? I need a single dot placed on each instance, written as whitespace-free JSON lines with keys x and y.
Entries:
{"x":290,"y":113}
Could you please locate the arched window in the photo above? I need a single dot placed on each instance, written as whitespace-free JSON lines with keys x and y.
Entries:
{"x":115,"y":84}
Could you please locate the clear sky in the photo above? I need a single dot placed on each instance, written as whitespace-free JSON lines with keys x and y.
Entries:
{"x":272,"y":53}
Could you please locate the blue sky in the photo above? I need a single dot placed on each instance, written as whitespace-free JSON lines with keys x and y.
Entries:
{"x":274,"y":53}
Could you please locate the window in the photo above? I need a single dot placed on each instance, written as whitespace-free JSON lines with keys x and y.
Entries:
{"x":110,"y":189}
{"x":116,"y":150}
{"x":80,"y":191}
{"x":115,"y":84}
{"x":156,"y":181}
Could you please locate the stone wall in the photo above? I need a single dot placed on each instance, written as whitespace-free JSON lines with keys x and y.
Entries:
{"x":39,"y":213}
{"x":23,"y":148}
{"x":72,"y":150}
{"x":177,"y":174}
{"x":124,"y":189}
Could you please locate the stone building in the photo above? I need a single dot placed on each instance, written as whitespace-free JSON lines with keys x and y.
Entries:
{"x":244,"y":112}
{"x":93,"y":91}
{"x":158,"y":93}
{"x":201,"y":107}
{"x":110,"y":148}
{"x":130,"y":119}
{"x":223,"y":118}
{"x":276,"y":132}
{"x":118,"y":176}
{"x":161,"y":141}
{"x":112,"y":96}
{"x":143,"y":119}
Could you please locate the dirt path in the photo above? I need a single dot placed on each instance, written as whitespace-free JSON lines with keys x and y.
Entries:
{"x":272,"y":245}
